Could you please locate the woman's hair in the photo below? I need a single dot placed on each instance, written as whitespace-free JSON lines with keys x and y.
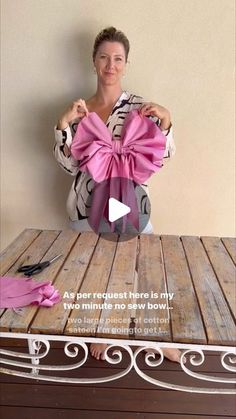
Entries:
{"x":111,"y":34}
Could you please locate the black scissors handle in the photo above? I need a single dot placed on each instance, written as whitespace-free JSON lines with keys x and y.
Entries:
{"x":36,"y":267}
{"x":33,"y":269}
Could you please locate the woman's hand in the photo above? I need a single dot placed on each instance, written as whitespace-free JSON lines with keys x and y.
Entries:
{"x":152,"y":109}
{"x":77,"y":109}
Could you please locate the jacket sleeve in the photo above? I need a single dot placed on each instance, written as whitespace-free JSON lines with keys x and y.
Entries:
{"x":68,"y":163}
{"x":170,"y":144}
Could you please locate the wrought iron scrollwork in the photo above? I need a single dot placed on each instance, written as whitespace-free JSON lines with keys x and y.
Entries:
{"x":77,"y":348}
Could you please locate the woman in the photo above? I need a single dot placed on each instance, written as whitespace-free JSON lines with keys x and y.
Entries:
{"x":112,"y":104}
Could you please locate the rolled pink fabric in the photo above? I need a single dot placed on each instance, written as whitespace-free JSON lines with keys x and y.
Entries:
{"x":19,"y":292}
{"x":134,"y":158}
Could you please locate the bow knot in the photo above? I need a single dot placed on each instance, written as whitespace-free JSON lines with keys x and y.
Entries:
{"x":116,"y":146}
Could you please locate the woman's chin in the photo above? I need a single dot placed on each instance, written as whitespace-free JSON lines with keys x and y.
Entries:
{"x":109,"y":80}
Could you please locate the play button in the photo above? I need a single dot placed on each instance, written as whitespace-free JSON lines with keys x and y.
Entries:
{"x":117,"y":209}
{"x":118,"y":205}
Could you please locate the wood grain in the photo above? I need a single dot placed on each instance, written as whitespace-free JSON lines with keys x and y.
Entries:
{"x":199,"y":273}
{"x":10,"y":412}
{"x":48,"y":244}
{"x":224,"y":269}
{"x":218,"y":321}
{"x":230,"y":244}
{"x":117,"y":399}
{"x":85,"y":318}
{"x":67,"y":281}
{"x":115,"y":322}
{"x":151,"y":323}
{"x":186,"y":322}
{"x":9,"y":256}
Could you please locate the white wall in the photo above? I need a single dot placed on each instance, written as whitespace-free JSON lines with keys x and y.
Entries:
{"x":182,"y":57}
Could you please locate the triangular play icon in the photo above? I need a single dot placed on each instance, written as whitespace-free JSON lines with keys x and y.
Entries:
{"x":116,"y":209}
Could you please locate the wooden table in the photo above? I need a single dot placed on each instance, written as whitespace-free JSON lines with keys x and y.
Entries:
{"x":147,"y":291}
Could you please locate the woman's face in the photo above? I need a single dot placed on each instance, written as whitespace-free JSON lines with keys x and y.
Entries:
{"x":110,"y":62}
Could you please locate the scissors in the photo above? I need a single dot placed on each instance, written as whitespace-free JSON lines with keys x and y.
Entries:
{"x":37,"y":267}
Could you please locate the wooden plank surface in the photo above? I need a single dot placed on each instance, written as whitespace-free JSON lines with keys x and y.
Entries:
{"x":116,"y":399}
{"x":9,"y":256}
{"x":115,"y":322}
{"x":224,"y":269}
{"x":11,"y":412}
{"x":48,"y":244}
{"x":87,"y":313}
{"x":67,"y":282}
{"x":186,"y":322}
{"x":230,"y":244}
{"x":198,"y":275}
{"x":151,"y":323}
{"x":220,"y":327}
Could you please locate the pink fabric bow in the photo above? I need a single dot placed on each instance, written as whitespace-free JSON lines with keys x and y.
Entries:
{"x":20,"y":292}
{"x":122,"y":163}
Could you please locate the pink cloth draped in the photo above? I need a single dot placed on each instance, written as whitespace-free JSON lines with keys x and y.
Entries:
{"x":121,"y":163}
{"x":20,"y":292}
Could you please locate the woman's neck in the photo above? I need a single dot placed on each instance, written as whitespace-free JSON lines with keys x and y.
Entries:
{"x":107,"y":95}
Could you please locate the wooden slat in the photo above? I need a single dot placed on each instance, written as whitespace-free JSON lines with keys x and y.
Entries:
{"x":116,"y":399}
{"x":95,"y":281}
{"x":186,"y":319}
{"x":217,"y":318}
{"x":230,"y":244}
{"x":68,"y":281}
{"x":224,"y":268}
{"x":151,"y":280}
{"x":9,"y":256}
{"x":121,"y":282}
{"x":11,"y":412}
{"x":47,"y":245}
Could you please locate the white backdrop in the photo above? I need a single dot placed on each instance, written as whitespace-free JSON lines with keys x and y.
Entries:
{"x":182,"y":57}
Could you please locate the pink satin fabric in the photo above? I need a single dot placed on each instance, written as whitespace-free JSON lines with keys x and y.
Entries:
{"x":134,"y":158}
{"x":19,"y":292}
{"x":137,"y":155}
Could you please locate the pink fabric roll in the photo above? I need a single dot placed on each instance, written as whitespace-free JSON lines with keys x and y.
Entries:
{"x":135,"y":157}
{"x":20,"y":292}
